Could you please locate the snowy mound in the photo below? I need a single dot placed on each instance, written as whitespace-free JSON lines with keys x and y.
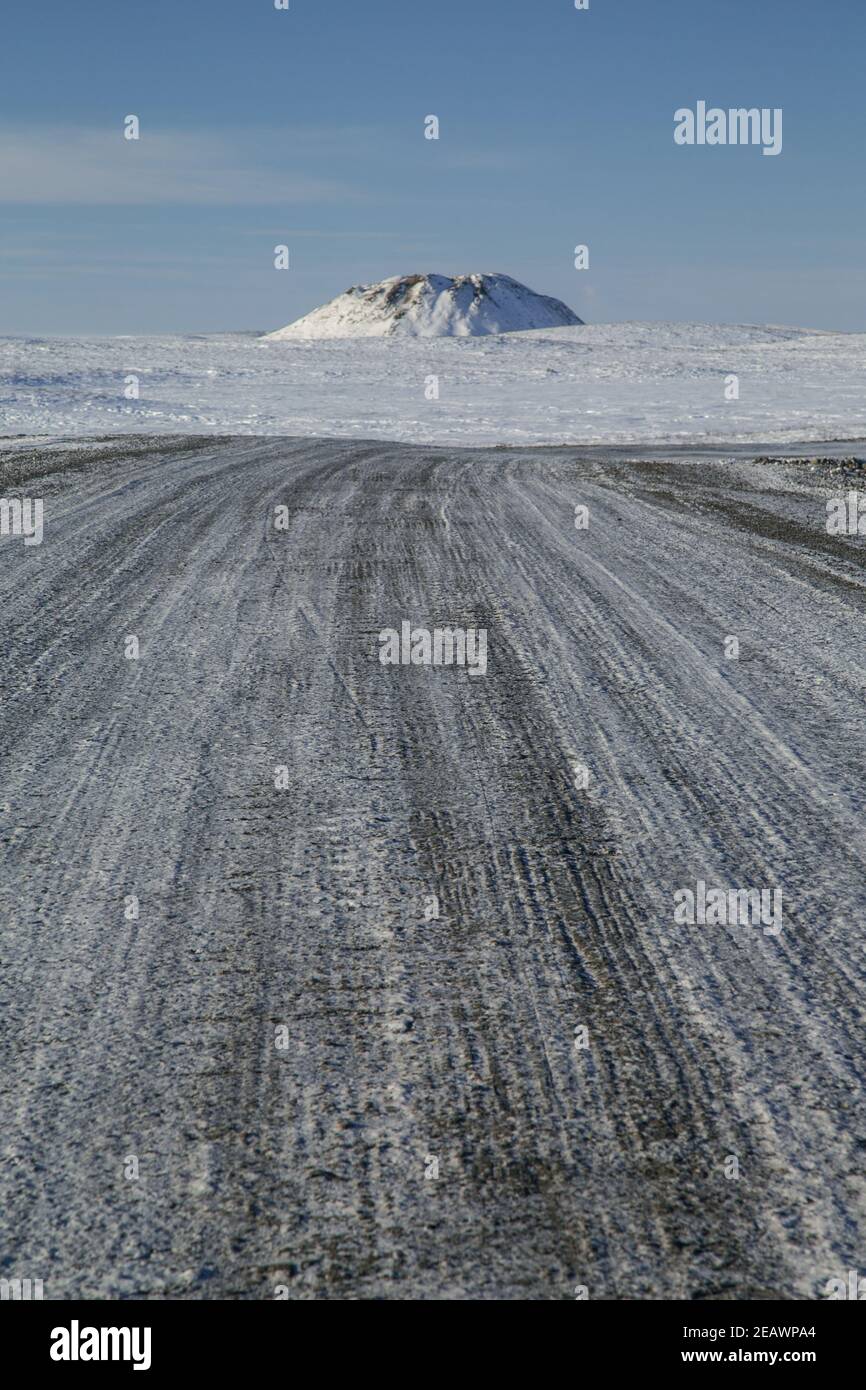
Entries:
{"x":432,"y":306}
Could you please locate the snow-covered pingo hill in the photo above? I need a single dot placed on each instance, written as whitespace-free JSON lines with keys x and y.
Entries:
{"x":433,"y":306}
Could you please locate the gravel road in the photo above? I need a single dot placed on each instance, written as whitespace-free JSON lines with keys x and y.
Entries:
{"x":287,"y":1076}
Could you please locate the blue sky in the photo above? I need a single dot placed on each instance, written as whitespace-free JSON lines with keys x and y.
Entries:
{"x":305,"y":127}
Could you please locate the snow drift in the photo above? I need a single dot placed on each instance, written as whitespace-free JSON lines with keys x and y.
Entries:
{"x":432,"y":306}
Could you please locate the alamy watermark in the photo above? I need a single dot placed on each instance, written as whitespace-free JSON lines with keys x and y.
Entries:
{"x":852,"y":1288}
{"x":77,"y":1343}
{"x":737,"y":126}
{"x":21,"y":1290}
{"x":846,"y":516}
{"x":712,"y":907}
{"x":444,"y":646}
{"x":22,"y":516}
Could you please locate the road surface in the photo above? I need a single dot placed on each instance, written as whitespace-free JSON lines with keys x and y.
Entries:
{"x":286,"y":1075}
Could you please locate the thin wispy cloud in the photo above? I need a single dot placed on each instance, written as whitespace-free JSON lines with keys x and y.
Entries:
{"x":485,"y":161}
{"x":318,"y":234}
{"x":57,"y":165}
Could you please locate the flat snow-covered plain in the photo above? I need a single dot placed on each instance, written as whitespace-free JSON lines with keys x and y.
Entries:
{"x":604,"y":383}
